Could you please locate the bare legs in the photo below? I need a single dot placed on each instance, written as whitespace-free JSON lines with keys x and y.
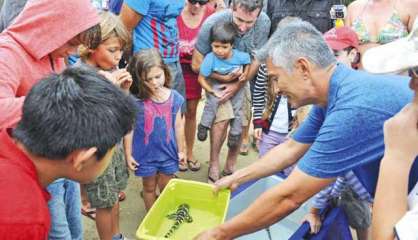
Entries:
{"x":150,"y":187}
{"x":217,"y":138}
{"x":190,"y":129}
{"x":245,"y":140}
{"x":107,"y":221}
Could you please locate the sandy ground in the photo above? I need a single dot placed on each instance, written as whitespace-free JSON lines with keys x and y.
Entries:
{"x":132,"y":210}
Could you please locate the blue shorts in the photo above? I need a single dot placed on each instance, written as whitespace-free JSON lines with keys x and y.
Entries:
{"x":148,"y":169}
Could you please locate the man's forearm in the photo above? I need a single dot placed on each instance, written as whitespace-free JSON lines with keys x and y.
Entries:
{"x":253,"y":69}
{"x":289,"y":152}
{"x":269,"y":208}
{"x":275,"y":204}
{"x":220,"y":77}
{"x":205,"y":85}
{"x":197,"y":59}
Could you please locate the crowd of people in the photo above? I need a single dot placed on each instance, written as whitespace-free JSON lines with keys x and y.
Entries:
{"x":93,"y":89}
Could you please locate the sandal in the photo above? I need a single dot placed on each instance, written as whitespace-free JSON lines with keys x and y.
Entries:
{"x":183,"y":166}
{"x":244,"y":149}
{"x":211,"y":179}
{"x":193,"y":165}
{"x":225,"y":173}
{"x":121,"y":196}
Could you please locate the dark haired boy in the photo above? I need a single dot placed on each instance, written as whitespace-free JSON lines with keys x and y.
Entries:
{"x":344,"y":42}
{"x":70,"y":125}
{"x":220,"y":66}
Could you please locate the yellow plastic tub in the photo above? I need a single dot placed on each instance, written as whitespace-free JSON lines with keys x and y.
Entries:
{"x":206,"y":210}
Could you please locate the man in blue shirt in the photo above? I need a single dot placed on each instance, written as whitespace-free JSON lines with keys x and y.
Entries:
{"x":154,"y":25}
{"x":343,"y":132}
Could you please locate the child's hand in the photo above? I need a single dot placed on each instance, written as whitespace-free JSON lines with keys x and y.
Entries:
{"x":124,"y":79}
{"x":132,"y":164}
{"x":120,"y":78}
{"x":242,"y":77}
{"x":314,"y":222}
{"x":258,"y":133}
{"x":236,"y":73}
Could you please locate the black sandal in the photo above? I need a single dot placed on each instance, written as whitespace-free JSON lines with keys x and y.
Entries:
{"x":225,"y":173}
{"x":211,"y":179}
{"x":193,"y":165}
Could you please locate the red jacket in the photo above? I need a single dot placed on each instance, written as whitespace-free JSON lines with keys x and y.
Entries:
{"x":42,"y":27}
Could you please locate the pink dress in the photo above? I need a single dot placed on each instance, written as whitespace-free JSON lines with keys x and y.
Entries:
{"x":188,"y":38}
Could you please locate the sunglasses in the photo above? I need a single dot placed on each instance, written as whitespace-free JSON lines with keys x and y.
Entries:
{"x":201,"y":2}
{"x":413,"y":72}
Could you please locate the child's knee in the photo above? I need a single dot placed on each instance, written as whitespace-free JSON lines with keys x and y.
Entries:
{"x":149,"y":187}
{"x":149,"y":190}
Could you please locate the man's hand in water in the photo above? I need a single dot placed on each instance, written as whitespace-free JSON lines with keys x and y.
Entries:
{"x":212,"y":234}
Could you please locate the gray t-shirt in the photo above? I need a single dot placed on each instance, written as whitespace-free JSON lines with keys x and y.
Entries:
{"x":253,"y":40}
{"x":9,"y":11}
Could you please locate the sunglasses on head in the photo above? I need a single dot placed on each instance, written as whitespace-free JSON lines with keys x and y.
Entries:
{"x":201,"y":2}
{"x":413,"y":72}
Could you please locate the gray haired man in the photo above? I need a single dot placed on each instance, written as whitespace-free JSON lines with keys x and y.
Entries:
{"x":343,"y":131}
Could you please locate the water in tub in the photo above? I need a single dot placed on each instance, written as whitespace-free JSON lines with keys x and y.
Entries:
{"x":279,"y":231}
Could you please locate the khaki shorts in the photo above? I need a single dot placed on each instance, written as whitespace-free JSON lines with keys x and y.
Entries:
{"x":104,"y":191}
{"x":226,"y":112}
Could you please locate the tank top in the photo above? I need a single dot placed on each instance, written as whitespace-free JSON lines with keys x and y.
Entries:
{"x":188,"y":36}
{"x":392,"y":30}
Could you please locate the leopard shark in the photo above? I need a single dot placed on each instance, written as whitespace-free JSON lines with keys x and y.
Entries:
{"x":180,"y":216}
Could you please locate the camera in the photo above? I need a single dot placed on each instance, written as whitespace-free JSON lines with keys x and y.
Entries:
{"x":338,"y":12}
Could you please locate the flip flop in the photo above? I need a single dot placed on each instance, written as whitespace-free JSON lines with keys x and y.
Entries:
{"x":225,"y":173}
{"x":193,"y":165}
{"x":121,"y":196}
{"x":183,"y":166}
{"x":211,"y":179}
{"x":90,"y":213}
